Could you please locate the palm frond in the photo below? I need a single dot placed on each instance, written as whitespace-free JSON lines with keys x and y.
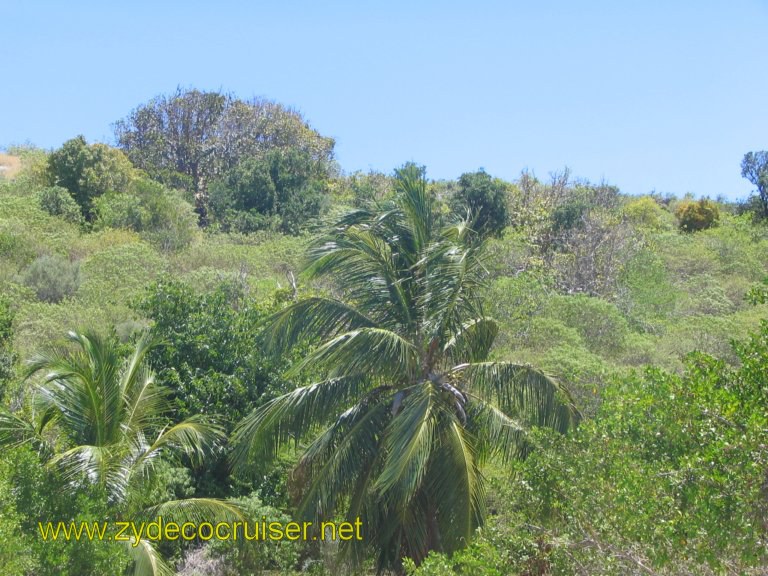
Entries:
{"x":313,"y":318}
{"x":365,"y":267}
{"x":456,"y":484}
{"x":416,"y":202}
{"x":82,"y":387}
{"x":382,"y":353}
{"x":144,"y":401}
{"x":520,"y":391}
{"x":146,"y":560}
{"x":86,"y":461}
{"x":291,"y":416}
{"x":194,"y":437}
{"x":473,"y":341}
{"x":408,"y":442}
{"x":455,"y":276}
{"x":15,"y":431}
{"x":500,"y":434}
{"x":341,"y":456}
{"x":197,"y":510}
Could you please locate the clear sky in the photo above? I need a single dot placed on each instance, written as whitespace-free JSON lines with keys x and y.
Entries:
{"x":646,"y":95}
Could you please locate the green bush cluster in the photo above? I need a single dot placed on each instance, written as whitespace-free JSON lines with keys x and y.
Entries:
{"x":699,"y":215}
{"x":57,"y":201}
{"x":89,"y":171}
{"x":52,"y":278}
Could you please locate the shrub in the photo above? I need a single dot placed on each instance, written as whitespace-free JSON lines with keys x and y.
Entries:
{"x":645,"y":212}
{"x":700,"y":215}
{"x":89,"y":171}
{"x":485,"y":198}
{"x":57,"y":201}
{"x":284,"y":187}
{"x":600,"y":324}
{"x":53,"y":278}
{"x":670,"y":473}
{"x":257,"y":557}
{"x":7,"y":355}
{"x":569,"y":215}
{"x":116,"y":274}
{"x":158,"y":214}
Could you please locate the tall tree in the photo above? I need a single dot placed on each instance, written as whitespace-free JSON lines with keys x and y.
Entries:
{"x":191,"y":137}
{"x":754,"y":167}
{"x":485,"y":198}
{"x":408,"y":406}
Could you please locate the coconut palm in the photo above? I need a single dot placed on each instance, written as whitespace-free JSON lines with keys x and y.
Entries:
{"x":408,"y":405}
{"x":100,"y":419}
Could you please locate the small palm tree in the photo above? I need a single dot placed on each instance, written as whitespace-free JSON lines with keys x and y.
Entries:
{"x":408,"y":406}
{"x":98,"y":418}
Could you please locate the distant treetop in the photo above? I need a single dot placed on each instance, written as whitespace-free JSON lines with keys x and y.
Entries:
{"x":190,"y":137}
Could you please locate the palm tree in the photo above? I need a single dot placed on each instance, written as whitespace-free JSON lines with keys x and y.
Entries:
{"x":99,"y":418}
{"x":408,"y":405}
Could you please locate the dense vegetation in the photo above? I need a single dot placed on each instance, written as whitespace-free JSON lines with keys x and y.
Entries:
{"x":211,"y":320}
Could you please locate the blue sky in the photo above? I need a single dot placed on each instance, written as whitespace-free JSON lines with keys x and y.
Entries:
{"x":646,"y":95}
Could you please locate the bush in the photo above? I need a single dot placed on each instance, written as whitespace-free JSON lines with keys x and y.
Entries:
{"x":367,"y":188}
{"x":32,"y":493}
{"x":600,"y":324}
{"x":645,"y":212}
{"x":57,"y":201}
{"x":53,"y":278}
{"x":485,"y":198}
{"x":286,"y":187}
{"x":158,"y":214}
{"x":117,"y":273}
{"x":7,"y":354}
{"x":700,"y":215}
{"x":89,"y":171}
{"x":257,"y":557}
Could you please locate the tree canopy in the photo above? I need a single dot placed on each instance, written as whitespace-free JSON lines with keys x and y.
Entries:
{"x":754,"y":167}
{"x":190,"y":137}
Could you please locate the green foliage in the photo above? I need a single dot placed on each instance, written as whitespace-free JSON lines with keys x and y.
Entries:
{"x":758,"y":294}
{"x":599,"y":323}
{"x":27,"y":231}
{"x":283,"y":189}
{"x":7,"y":353}
{"x":89,"y":171}
{"x":99,"y":424}
{"x":160,"y":215}
{"x":208,"y":361}
{"x":480,"y":557}
{"x":117,"y":273}
{"x":365,"y":189}
{"x":57,"y":201}
{"x":649,"y":296}
{"x":16,"y":548}
{"x":569,"y":215}
{"x":407,"y":407}
{"x":52,"y":278}
{"x":244,"y":557}
{"x":485,"y":199}
{"x":754,"y":167}
{"x":699,"y":215}
{"x":646,"y":213}
{"x":193,"y":136}
{"x":669,"y":474}
{"x":33,"y":493}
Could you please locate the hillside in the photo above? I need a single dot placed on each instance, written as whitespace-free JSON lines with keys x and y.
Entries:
{"x":655,"y":329}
